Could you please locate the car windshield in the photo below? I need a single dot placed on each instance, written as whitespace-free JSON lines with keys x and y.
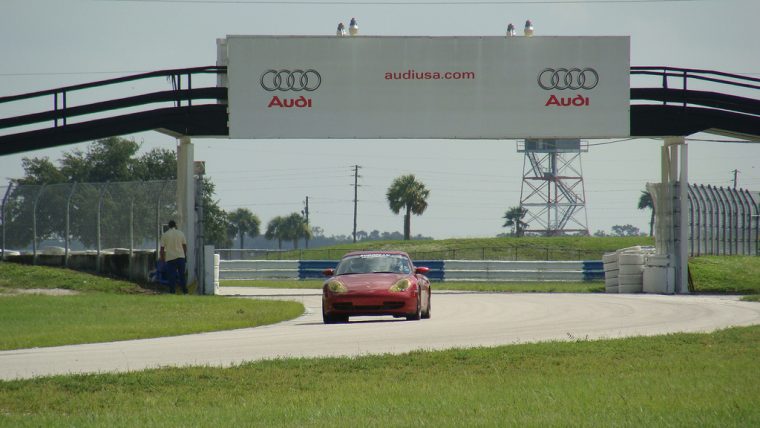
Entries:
{"x":374,"y":263}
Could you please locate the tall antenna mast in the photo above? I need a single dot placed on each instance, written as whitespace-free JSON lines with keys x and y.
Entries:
{"x":552,"y":188}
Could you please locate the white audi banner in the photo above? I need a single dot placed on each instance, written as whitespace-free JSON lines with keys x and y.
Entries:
{"x":428,"y":87}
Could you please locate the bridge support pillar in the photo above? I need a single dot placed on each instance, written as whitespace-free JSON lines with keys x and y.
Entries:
{"x":675,"y":180}
{"x":186,"y":201}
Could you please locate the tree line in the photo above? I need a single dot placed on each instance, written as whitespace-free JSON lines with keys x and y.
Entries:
{"x":115,"y":159}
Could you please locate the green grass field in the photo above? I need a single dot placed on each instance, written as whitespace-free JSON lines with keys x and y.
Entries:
{"x":108,"y":310}
{"x":726,"y":274}
{"x":683,"y":380}
{"x":675,"y":380}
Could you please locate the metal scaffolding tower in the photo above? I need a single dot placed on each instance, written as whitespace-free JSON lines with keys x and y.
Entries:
{"x":552,"y":188}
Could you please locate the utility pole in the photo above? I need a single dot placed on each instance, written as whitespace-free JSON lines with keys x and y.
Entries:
{"x":305,"y":213}
{"x":356,"y":194}
{"x":736,"y":173}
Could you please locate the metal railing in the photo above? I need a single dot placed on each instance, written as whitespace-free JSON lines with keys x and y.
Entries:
{"x":686,"y":86}
{"x":62,"y":111}
{"x":191,"y":105}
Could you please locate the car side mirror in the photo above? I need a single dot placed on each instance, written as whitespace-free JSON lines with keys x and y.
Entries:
{"x":328,"y":272}
{"x":422,"y":270}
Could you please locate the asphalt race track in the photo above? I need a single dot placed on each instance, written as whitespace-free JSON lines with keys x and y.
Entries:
{"x":458,"y":320}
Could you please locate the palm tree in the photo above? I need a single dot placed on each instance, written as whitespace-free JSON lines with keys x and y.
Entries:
{"x":241,"y":222}
{"x":513,"y":218}
{"x":275,"y":230}
{"x":407,"y":193}
{"x":294,"y":227}
{"x":645,"y":201}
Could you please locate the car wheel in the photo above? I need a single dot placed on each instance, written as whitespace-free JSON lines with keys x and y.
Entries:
{"x":417,"y":315}
{"x":328,"y":319}
{"x":426,"y":314}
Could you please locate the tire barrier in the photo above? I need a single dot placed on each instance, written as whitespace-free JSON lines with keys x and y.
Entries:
{"x":624,"y":270}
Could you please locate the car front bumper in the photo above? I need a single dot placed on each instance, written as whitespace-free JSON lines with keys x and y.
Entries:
{"x":369,"y":304}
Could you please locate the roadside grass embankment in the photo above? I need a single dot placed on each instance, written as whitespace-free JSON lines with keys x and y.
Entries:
{"x":508,"y":248}
{"x":726,"y":274}
{"x":106,"y":310}
{"x":675,"y":380}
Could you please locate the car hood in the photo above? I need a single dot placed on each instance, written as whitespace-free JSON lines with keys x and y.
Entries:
{"x":370,"y":281}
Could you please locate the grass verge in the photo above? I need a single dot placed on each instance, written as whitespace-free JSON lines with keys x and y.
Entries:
{"x":18,"y":276}
{"x":108,"y":310}
{"x":676,"y":380}
{"x":35,"y":321}
{"x":726,"y":274}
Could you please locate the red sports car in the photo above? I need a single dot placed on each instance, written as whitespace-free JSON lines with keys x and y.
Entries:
{"x":375,"y":283}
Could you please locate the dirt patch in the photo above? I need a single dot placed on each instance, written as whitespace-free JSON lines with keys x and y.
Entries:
{"x":38,"y":291}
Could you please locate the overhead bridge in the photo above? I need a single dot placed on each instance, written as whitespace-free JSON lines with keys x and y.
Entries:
{"x":680,"y":111}
{"x":196,"y":105}
{"x":182,"y":110}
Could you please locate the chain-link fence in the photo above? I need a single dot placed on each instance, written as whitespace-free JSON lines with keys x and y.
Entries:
{"x":70,"y":218}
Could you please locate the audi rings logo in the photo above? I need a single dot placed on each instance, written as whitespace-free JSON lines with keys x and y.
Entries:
{"x":290,"y":80}
{"x":568,"y":78}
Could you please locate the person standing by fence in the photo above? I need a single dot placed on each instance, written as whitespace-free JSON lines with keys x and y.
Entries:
{"x":174,"y":254}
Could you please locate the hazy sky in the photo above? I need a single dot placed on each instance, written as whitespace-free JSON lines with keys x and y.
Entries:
{"x":48,"y":44}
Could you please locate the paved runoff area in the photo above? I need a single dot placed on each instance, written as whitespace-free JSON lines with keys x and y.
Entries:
{"x":459,"y":319}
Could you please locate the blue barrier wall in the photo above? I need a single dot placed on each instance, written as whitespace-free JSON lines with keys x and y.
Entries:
{"x":593,"y":270}
{"x":312,"y":269}
{"x":436,"y":268}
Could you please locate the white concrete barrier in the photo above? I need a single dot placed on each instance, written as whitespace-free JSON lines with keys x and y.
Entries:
{"x":258,"y":269}
{"x":501,"y":270}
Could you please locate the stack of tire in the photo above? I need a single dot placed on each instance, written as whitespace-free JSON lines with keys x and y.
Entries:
{"x":631,"y":273}
{"x":624,"y":269}
{"x":610,"y":261}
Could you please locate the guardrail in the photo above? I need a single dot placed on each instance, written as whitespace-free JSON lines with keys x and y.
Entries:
{"x":440,"y":270}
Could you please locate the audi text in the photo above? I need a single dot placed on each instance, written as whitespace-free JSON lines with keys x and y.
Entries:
{"x":429,"y":75}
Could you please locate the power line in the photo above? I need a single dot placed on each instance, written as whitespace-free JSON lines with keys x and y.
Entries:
{"x":405,"y":3}
{"x":611,"y":142}
{"x":71,"y":73}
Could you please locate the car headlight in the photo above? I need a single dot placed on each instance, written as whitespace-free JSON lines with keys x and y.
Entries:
{"x":401,"y":285}
{"x":336,"y":286}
